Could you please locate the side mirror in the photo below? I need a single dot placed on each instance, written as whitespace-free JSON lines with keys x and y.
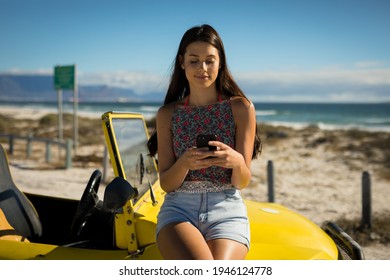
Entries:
{"x":117,"y":193}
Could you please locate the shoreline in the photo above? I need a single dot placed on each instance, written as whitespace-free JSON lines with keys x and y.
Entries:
{"x":37,"y":113}
{"x":330,"y":127}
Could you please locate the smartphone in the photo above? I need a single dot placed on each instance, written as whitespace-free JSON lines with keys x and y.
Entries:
{"x":202,"y":140}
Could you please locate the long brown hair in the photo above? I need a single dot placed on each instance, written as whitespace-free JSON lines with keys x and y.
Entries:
{"x":179,"y":88}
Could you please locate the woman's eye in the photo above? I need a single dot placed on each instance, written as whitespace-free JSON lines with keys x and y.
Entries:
{"x":207,"y":62}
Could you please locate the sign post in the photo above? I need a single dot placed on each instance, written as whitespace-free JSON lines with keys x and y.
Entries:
{"x":65,"y":79}
{"x":60,"y":115}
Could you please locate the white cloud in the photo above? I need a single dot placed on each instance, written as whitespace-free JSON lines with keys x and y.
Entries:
{"x":325,"y":85}
{"x":140,"y":82}
{"x":356,"y":76}
{"x":362,"y":96}
{"x":371,"y":64}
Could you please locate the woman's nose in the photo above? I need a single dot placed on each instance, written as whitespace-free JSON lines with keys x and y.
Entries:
{"x":203,"y":65}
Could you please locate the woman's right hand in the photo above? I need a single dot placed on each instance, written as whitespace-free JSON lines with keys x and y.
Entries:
{"x":191,"y":157}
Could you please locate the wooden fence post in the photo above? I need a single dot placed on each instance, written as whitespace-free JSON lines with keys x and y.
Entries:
{"x":11,"y":144}
{"x":366,"y":200}
{"x":270,"y":173}
{"x":28,"y":146}
{"x":67,"y":146}
{"x":68,"y":162}
{"x":48,"y":151}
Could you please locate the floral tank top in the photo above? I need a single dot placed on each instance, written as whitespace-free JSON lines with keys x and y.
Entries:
{"x":189,"y":122}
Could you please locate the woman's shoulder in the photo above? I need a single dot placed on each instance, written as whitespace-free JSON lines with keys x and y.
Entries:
{"x":243,"y":109}
{"x":241,"y":104}
{"x":167,"y":110}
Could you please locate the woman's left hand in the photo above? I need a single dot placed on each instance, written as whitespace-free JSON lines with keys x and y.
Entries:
{"x":225,"y":156}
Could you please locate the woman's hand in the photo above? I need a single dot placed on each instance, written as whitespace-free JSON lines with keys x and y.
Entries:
{"x":191,"y":157}
{"x":224,"y":156}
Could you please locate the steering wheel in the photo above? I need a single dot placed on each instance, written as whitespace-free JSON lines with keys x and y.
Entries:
{"x":87,"y":202}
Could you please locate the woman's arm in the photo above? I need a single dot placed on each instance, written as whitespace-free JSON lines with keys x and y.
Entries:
{"x":245,"y":118}
{"x":172,"y":171}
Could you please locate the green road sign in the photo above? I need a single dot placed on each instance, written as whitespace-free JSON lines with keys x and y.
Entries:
{"x":64,"y":77}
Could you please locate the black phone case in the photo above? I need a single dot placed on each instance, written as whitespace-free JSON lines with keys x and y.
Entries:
{"x":203,"y":140}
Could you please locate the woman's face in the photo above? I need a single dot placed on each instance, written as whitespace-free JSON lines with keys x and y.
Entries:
{"x":201,"y":63}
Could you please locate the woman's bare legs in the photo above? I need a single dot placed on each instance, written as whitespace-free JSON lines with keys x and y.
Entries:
{"x":182,"y":241}
{"x":226,"y":249}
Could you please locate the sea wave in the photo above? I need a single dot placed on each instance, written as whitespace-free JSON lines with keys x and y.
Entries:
{"x":149,"y":108}
{"x":327,"y":126}
{"x":377,"y":121}
{"x":266,"y":112}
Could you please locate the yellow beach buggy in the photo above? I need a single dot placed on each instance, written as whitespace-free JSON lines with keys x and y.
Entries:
{"x":122,"y":224}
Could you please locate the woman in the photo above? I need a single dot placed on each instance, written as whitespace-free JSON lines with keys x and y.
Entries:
{"x":203,"y":215}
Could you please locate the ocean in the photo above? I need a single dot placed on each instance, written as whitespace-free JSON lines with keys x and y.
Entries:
{"x":369,"y":117}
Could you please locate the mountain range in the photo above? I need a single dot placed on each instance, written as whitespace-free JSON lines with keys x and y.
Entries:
{"x":37,"y":88}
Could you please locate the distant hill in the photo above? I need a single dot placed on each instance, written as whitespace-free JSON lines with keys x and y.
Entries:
{"x":41,"y":88}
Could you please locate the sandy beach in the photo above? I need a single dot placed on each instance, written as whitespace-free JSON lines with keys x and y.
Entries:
{"x":317,"y":173}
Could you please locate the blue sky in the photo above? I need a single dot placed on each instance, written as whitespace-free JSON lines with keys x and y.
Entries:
{"x":301,"y":50}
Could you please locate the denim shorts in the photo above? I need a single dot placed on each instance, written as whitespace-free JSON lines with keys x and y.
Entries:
{"x":215,"y":214}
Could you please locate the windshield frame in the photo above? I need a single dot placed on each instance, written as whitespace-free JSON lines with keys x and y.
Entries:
{"x":126,"y":139}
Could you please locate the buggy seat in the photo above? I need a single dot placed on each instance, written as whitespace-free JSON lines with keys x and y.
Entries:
{"x":17,"y":208}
